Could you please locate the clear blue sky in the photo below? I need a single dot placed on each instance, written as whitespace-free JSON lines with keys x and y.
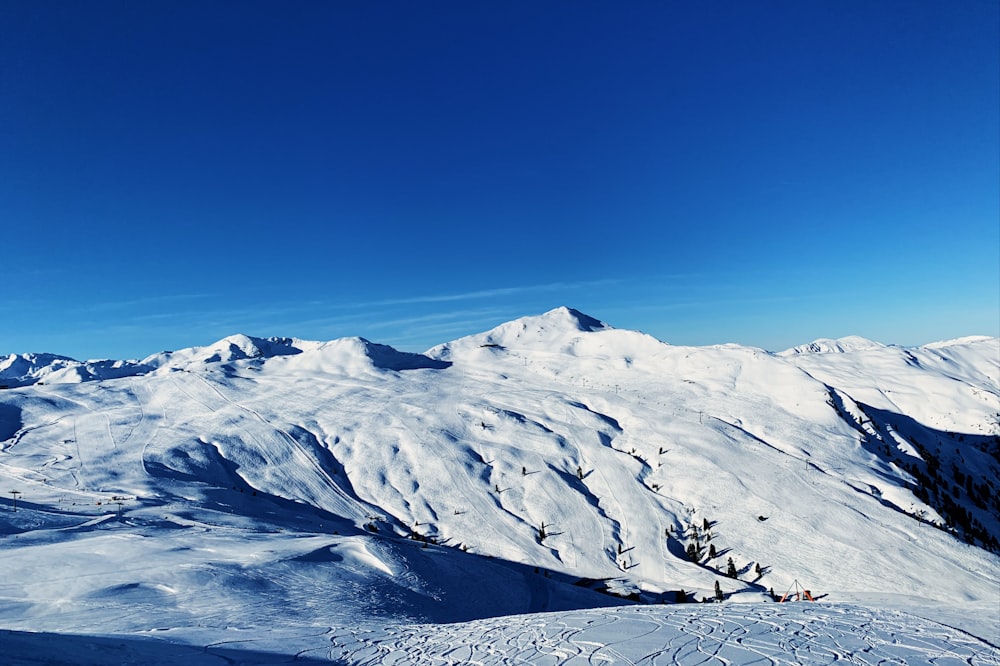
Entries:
{"x":766,"y":173}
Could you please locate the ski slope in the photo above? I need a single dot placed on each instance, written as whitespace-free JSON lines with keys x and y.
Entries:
{"x":346,"y":499}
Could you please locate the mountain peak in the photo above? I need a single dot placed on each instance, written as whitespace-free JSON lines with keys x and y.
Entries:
{"x":231,"y":348}
{"x":967,"y":340}
{"x":844,"y":345}
{"x":561,"y":321}
{"x":553,"y":330}
{"x":565,"y":316}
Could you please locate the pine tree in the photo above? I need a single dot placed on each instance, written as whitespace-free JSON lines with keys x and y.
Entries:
{"x":718,"y":592}
{"x":731,"y":569}
{"x":712,"y":553}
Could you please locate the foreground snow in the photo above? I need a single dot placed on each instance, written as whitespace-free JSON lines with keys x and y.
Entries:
{"x":799,"y":633}
{"x":791,"y":633}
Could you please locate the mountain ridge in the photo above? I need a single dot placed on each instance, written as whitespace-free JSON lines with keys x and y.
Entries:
{"x":561,"y":329}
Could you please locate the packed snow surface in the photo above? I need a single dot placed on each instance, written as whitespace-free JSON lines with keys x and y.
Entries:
{"x":544,"y":492}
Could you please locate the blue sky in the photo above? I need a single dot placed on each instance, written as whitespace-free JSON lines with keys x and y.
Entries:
{"x":764,"y":173}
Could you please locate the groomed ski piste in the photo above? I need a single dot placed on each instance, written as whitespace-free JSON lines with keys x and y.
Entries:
{"x":552,"y":491}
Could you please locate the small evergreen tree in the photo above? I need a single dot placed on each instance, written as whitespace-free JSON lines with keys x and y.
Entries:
{"x":731,"y":569}
{"x":712,"y":553}
{"x":718,"y":592}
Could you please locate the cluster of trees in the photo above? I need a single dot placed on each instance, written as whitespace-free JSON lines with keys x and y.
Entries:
{"x":954,"y":494}
{"x":696,"y":551}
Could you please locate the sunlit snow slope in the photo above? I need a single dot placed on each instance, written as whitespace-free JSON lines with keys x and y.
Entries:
{"x":522,"y":469}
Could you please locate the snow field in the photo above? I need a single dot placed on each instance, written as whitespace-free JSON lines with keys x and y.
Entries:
{"x":345,"y":490}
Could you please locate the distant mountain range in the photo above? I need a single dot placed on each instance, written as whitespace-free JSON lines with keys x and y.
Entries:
{"x":30,"y":368}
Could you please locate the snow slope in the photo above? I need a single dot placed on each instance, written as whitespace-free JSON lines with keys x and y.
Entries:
{"x":270,"y":494}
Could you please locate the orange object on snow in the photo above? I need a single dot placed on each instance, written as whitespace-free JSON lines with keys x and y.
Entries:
{"x":798,"y":592}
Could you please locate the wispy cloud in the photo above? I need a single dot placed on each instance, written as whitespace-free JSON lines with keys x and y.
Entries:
{"x":490,"y":293}
{"x":144,"y":301}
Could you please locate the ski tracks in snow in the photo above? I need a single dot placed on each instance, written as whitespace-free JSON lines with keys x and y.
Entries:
{"x":341,"y":502}
{"x":720,"y":635}
{"x":648,"y":539}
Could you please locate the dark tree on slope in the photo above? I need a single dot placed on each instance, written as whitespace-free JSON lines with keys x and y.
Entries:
{"x":718,"y":592}
{"x":731,"y":568}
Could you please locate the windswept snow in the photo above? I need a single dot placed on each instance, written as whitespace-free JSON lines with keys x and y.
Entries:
{"x":340,"y":496}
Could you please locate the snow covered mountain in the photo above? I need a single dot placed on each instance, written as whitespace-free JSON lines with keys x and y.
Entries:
{"x":554,"y":463}
{"x":851,"y":343}
{"x":26,"y":369}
